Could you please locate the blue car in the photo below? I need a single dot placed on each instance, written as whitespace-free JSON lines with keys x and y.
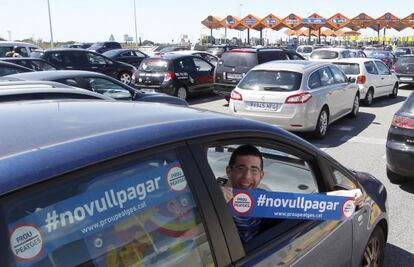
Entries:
{"x":96,"y":183}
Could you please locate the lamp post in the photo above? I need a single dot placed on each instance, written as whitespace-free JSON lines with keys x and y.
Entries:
{"x":135,"y":20}
{"x":50,"y":25}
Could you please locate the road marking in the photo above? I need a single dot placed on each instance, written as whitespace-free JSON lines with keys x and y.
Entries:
{"x":343,"y":128}
{"x":363,"y":140}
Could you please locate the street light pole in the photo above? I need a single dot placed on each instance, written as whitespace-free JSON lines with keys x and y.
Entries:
{"x":50,"y":25}
{"x":135,"y":20}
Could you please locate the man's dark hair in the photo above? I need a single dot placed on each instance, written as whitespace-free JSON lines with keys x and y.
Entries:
{"x":246,"y":150}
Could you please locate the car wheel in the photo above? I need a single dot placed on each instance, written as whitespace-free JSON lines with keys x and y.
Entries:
{"x":395,"y":178}
{"x":394,"y":91}
{"x":374,"y":251}
{"x":125,"y":78}
{"x":369,"y":97}
{"x":181,"y":92}
{"x":355,"y":107}
{"x":322,"y":124}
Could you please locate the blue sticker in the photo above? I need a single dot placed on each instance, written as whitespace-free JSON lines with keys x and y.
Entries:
{"x":264,"y":204}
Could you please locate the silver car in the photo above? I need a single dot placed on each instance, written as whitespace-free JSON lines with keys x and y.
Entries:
{"x":297,"y":95}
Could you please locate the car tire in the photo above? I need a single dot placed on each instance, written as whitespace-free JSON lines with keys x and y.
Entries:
{"x":369,"y":97}
{"x":322,"y":124}
{"x":355,"y":107}
{"x":181,"y":92}
{"x":375,"y":249}
{"x":125,"y":78}
{"x":394,"y":91}
{"x":395,"y":178}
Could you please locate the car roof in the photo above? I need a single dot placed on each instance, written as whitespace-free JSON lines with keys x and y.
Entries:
{"x":44,"y":146}
{"x":331,"y":49}
{"x":170,"y":56}
{"x":255,"y":50}
{"x":9,"y":59}
{"x":290,"y":65}
{"x":7,"y":43}
{"x":60,"y":49}
{"x":55,"y":74}
{"x":356,"y":60}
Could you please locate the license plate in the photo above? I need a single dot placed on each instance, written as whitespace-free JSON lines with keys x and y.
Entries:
{"x":406,"y":78}
{"x":234,"y":76}
{"x":265,"y":106}
{"x":148,"y":90}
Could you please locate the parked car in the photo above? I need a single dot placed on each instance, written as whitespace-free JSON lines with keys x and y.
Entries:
{"x":36,"y":64}
{"x":130,"y":56}
{"x":113,"y":178}
{"x":81,"y":59}
{"x":98,"y":83}
{"x":401,"y":51}
{"x":386,"y":56}
{"x":330,"y":54}
{"x":219,"y":50}
{"x":7,"y":68}
{"x":102,"y":47}
{"x":296,"y":95}
{"x":174,"y":74}
{"x":168,"y":49}
{"x":207,"y":56}
{"x":11,"y":91}
{"x":23,"y":49}
{"x":400,"y":143}
{"x":357,"y":53}
{"x":372,"y":76}
{"x":234,"y":64}
{"x":304,"y":50}
{"x":404,"y":69}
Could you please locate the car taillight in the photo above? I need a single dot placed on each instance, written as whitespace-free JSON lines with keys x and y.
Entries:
{"x":169,"y":76}
{"x":298,"y":99}
{"x":402,"y":122}
{"x":236,"y":96}
{"x":361,"y":79}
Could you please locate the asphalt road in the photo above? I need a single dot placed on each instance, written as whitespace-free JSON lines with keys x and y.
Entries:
{"x":360,"y":144}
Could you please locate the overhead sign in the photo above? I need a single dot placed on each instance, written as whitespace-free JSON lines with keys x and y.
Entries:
{"x":270,"y":21}
{"x":338,"y":20}
{"x":250,"y":21}
{"x":313,"y":21}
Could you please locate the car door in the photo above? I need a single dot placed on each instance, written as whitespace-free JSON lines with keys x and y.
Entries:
{"x":279,"y":242}
{"x":329,"y":91}
{"x":128,"y":57}
{"x":347,"y":90}
{"x":101,"y":64}
{"x":204,"y":78}
{"x":387,"y":80}
{"x":373,"y":77}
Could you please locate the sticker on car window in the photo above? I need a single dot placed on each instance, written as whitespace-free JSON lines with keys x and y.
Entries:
{"x":265,"y":204}
{"x":150,"y":200}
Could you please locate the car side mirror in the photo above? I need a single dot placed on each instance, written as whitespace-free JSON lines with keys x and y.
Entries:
{"x":351,"y":79}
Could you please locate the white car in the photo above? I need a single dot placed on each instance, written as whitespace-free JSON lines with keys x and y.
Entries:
{"x":372,"y":76}
{"x":305,"y":50}
{"x":329,"y":54}
{"x":297,"y":95}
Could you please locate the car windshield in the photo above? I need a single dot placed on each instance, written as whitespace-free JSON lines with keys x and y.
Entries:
{"x":264,"y":80}
{"x":305,"y":49}
{"x":377,"y":53}
{"x":155,"y":64}
{"x":110,"y":53}
{"x":349,"y":68}
{"x":405,"y":60}
{"x":324,"y":54}
{"x":239,"y":59}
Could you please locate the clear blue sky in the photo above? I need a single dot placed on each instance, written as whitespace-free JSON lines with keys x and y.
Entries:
{"x":166,"y":20}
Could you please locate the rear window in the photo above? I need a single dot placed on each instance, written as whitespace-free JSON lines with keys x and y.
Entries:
{"x":349,"y":68}
{"x":96,"y":46}
{"x":110,"y":53}
{"x":405,"y":60}
{"x":324,"y":54}
{"x":239,"y":59}
{"x":216,"y":49}
{"x":155,"y":65}
{"x":4,"y":50}
{"x":402,"y":51}
{"x":261,"y":80}
{"x":306,"y":49}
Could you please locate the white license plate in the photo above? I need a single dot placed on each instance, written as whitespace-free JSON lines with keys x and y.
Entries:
{"x":265,"y":106}
{"x":148,"y":90}
{"x":406,"y":78}
{"x":234,"y":76}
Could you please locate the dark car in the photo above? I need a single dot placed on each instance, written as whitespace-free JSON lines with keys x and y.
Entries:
{"x":36,"y":64}
{"x":404,"y":69}
{"x":219,"y":50}
{"x":169,"y":49}
{"x":102,"y":47}
{"x":130,"y":56}
{"x":98,"y":83}
{"x":81,"y":59}
{"x":386,"y":56}
{"x":401,"y":51}
{"x":7,"y":68}
{"x":175,"y":74}
{"x":400,"y":143}
{"x":88,"y":183}
{"x":234,"y":64}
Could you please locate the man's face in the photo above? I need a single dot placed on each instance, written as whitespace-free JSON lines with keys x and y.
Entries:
{"x":246,"y":173}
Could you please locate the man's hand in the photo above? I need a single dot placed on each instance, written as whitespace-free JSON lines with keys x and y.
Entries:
{"x":227,"y":192}
{"x":355,"y":193}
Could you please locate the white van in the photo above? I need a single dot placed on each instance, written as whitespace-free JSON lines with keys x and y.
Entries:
{"x":23,"y":49}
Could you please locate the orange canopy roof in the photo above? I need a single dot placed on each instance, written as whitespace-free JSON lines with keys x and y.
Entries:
{"x":212,"y":22}
{"x":337,"y":21}
{"x":293,"y":22}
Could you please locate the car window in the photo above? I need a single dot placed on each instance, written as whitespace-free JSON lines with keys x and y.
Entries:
{"x":239,"y":59}
{"x":95,"y":59}
{"x":324,"y":54}
{"x":265,"y":56}
{"x":293,"y":56}
{"x":137,"y":213}
{"x":346,"y":54}
{"x":405,"y":61}
{"x":109,"y":88}
{"x":72,"y":82}
{"x":55,"y":58}
{"x":314,"y":80}
{"x":348,"y":68}
{"x":155,"y":65}
{"x":371,"y":68}
{"x":127,"y":54}
{"x":22,"y":51}
{"x":5,"y":70}
{"x":338,"y":75}
{"x":185,"y":64}
{"x":139,"y":54}
{"x":202,"y":65}
{"x":41,"y":65}
{"x":4,"y":50}
{"x":326,"y":77}
{"x":74,"y":59}
{"x":341,"y":180}
{"x":382,"y":68}
{"x":209,"y":58}
{"x":262,"y":80}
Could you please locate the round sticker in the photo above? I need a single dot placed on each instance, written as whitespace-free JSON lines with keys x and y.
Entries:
{"x":176,"y":179}
{"x":348,"y":208}
{"x":242,"y":203}
{"x":26,"y":242}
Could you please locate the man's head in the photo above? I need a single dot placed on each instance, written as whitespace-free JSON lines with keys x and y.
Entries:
{"x":245,"y":169}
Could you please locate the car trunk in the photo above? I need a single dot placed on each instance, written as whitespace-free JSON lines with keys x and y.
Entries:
{"x":405,"y":65}
{"x":234,"y":65}
{"x":153,"y":72}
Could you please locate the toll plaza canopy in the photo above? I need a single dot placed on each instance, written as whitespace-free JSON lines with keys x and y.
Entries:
{"x":313,"y":22}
